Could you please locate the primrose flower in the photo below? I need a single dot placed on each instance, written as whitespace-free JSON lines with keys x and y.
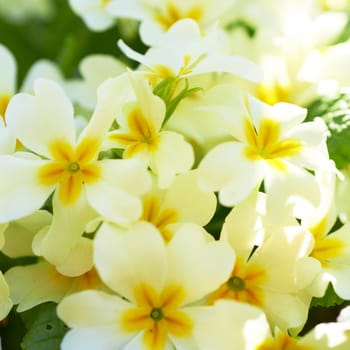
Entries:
{"x":83,"y":184}
{"x":95,"y":69}
{"x":69,"y":164}
{"x":195,"y":54}
{"x":141,"y":136}
{"x":331,"y":248}
{"x":261,"y":275}
{"x":38,"y":283}
{"x":8,"y":78}
{"x":159,"y":16}
{"x":269,"y":143}
{"x":169,"y":208}
{"x":155,"y":310}
{"x":247,"y":328}
{"x":95,"y":13}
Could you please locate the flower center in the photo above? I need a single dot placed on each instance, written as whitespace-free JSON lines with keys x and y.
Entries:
{"x":173,"y":13}
{"x":142,"y":135}
{"x":236,"y":283}
{"x":73,"y":167}
{"x":265,"y":143}
{"x":245,"y":284}
{"x":327,"y":247}
{"x":157,"y":314}
{"x":159,"y":217}
{"x":4,"y":101}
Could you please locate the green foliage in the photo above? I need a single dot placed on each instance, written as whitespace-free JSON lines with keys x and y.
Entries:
{"x":45,"y":330}
{"x":345,"y":33}
{"x":62,"y":38}
{"x":249,"y":29}
{"x":166,"y":89}
{"x":335,"y":112}
{"x":329,"y":299}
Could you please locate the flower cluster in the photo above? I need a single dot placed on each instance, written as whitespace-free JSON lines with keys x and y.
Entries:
{"x":190,"y":202}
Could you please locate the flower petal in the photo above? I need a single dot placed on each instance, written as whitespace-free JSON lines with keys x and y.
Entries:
{"x":198,"y":265}
{"x":120,"y":257}
{"x":49,"y":109}
{"x":115,"y":195}
{"x":20,"y":191}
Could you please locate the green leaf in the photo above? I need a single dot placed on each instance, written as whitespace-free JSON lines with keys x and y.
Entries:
{"x":329,"y":299}
{"x":45,"y":330}
{"x":335,"y":112}
{"x":165,"y":89}
{"x":249,"y":29}
{"x":171,"y":106}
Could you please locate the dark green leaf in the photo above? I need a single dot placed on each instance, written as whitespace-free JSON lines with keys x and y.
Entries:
{"x":329,"y":299}
{"x":336,"y":114}
{"x":45,"y":330}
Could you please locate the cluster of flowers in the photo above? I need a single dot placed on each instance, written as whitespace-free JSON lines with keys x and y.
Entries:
{"x":110,"y":179}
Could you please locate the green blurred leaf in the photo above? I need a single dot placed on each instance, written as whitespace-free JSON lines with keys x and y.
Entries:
{"x":45,"y":330}
{"x":335,"y":112}
{"x":328,"y":300}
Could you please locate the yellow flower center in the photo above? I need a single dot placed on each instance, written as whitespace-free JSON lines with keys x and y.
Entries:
{"x":104,"y":3}
{"x":283,"y":342}
{"x":265,"y":143}
{"x":158,"y":314}
{"x":172,"y":13}
{"x":70,"y":168}
{"x":244,"y":284}
{"x":273,"y":93}
{"x":4,"y":101}
{"x":142,"y":135}
{"x":159,"y":217}
{"x":326,"y":247}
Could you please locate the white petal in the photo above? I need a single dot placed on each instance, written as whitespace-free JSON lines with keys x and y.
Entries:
{"x":196,"y":264}
{"x":68,"y":224}
{"x":229,"y":64}
{"x":41,"y":69}
{"x":173,"y":156}
{"x":31,"y":285}
{"x":5,"y":301}
{"x":8,"y":71}
{"x":7,"y":139}
{"x":111,"y":95}
{"x":229,"y":322}
{"x":285,"y":311}
{"x":152,"y":106}
{"x":104,"y":338}
{"x":115,"y":195}
{"x":39,"y":120}
{"x":121,"y":255}
{"x":20,"y":233}
{"x":190,"y":202}
{"x":20,"y":191}
{"x":79,"y":259}
{"x":91,"y":308}
{"x":295,"y":189}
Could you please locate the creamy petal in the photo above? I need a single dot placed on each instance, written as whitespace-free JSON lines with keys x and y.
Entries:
{"x":120,"y":257}
{"x":196,"y":264}
{"x":20,"y":191}
{"x":49,"y":109}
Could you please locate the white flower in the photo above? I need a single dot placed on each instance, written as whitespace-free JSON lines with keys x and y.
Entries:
{"x":184,"y":51}
{"x":157,"y":16}
{"x":141,"y":136}
{"x":155,"y":310}
{"x":269,"y":143}
{"x":94,"y":13}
